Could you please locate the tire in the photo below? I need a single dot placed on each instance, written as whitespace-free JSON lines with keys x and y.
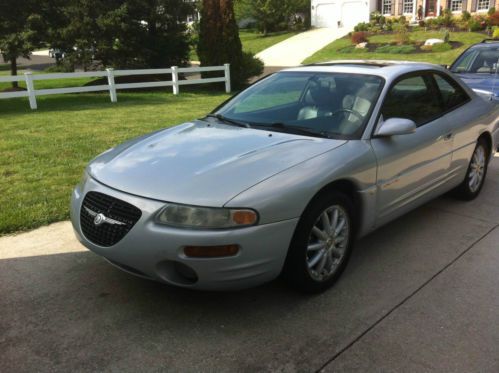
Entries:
{"x":472,"y":184}
{"x":317,"y":257}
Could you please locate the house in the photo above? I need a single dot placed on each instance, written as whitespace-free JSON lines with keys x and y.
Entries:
{"x":348,"y":13}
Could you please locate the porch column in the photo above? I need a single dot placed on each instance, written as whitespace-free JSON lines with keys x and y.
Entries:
{"x":438,"y":8}
{"x":414,"y":9}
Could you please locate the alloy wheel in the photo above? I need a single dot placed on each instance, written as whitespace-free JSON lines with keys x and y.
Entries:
{"x":327,"y":243}
{"x":477,"y":169}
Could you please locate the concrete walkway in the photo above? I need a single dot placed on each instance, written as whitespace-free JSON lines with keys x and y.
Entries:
{"x":419,"y":295}
{"x":292,"y":51}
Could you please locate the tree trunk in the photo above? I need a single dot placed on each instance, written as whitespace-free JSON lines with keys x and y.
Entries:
{"x":13,"y":70}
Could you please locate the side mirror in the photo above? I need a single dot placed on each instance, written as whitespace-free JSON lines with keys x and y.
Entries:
{"x":396,"y":126}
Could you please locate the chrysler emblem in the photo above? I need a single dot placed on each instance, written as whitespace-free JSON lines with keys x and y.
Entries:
{"x":100,"y":218}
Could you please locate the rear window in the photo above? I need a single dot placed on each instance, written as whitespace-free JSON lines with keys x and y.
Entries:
{"x":481,"y":60}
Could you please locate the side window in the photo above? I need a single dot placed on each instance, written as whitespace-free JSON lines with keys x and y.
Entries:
{"x":452,"y":95}
{"x":412,"y":98}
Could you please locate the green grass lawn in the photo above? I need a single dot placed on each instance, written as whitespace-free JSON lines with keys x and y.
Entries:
{"x":331,"y":52}
{"x":44,"y":152}
{"x":255,"y":42}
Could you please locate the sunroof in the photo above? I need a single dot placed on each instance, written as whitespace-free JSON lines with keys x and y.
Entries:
{"x":368,"y":64}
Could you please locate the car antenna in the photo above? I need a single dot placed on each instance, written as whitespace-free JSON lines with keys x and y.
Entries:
{"x":492,"y":94}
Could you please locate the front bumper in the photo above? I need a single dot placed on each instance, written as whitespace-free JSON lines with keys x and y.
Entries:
{"x":154,"y":251}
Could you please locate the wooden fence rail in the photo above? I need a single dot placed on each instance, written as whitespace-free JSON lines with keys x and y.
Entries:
{"x":31,"y":91}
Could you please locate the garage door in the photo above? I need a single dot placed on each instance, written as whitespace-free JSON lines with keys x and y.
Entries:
{"x":326,"y":15}
{"x":354,"y":12}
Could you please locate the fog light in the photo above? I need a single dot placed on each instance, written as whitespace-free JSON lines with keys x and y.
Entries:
{"x":211,"y":251}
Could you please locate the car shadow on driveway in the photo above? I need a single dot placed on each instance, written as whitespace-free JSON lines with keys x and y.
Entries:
{"x":74,"y":311}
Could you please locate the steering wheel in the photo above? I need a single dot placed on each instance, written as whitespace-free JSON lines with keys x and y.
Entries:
{"x":350,"y":111}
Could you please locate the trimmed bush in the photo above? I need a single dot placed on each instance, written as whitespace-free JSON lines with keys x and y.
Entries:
{"x":446,"y":36}
{"x":441,"y":47}
{"x":251,"y":66}
{"x":494,"y":19}
{"x":362,"y":26}
{"x":359,"y":37}
{"x":402,"y":34}
{"x":495,"y":35}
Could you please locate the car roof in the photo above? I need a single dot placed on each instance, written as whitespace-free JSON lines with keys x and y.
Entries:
{"x":485,"y":43}
{"x":386,"y":69}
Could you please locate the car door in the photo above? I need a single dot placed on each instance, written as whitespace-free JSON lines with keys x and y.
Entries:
{"x":462,"y":118}
{"x":412,"y":167}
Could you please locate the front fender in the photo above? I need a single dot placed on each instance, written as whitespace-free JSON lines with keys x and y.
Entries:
{"x":286,"y":195}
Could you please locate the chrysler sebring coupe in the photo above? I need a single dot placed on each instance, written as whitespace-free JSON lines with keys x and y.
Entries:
{"x":282,"y":178}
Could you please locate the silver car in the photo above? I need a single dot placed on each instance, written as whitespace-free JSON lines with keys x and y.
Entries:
{"x":283,"y":177}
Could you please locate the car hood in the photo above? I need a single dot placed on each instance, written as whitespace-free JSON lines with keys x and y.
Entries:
{"x":203,"y":164}
{"x":481,"y":82}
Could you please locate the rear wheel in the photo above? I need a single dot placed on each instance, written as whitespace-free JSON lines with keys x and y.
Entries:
{"x":321,"y":244}
{"x":475,"y":175}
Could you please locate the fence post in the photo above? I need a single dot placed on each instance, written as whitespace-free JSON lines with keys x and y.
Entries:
{"x":28,"y":76}
{"x":227,"y":77}
{"x":175,"y":80}
{"x":112,"y":86}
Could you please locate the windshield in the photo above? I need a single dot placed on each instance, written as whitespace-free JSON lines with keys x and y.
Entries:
{"x":482,"y":60}
{"x":327,"y":104}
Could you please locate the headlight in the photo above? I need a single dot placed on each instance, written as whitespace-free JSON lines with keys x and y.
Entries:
{"x":206,"y":217}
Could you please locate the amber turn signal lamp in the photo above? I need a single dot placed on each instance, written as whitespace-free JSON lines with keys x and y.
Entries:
{"x":211,"y":251}
{"x":244,"y":217}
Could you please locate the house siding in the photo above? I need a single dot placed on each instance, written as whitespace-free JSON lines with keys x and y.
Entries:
{"x":469,"y":5}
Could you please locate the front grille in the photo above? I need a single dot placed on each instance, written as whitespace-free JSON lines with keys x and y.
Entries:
{"x":107,"y":234}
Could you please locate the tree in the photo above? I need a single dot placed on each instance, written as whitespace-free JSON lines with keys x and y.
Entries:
{"x":269,"y":14}
{"x":124,"y":33}
{"x":21,"y":30}
{"x":219,"y":41}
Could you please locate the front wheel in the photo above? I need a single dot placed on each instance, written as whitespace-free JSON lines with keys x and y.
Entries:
{"x":475,"y":175}
{"x":322,"y":243}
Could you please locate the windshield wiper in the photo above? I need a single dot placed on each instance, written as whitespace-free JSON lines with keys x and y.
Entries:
{"x":295,"y":129}
{"x":224,"y":119}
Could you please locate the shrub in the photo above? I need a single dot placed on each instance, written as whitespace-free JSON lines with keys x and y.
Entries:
{"x":63,"y":67}
{"x":466,"y":16}
{"x":494,"y":19}
{"x":495,"y":34}
{"x":362,"y":27}
{"x":441,"y":47}
{"x":491,"y":11}
{"x":446,"y":36}
{"x":475,"y":24}
{"x":375,"y":17}
{"x":402,"y":34}
{"x":396,"y":49}
{"x":359,"y":37}
{"x":251,"y":66}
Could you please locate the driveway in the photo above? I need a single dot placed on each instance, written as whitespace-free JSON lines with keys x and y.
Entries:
{"x":292,"y":51}
{"x":35,"y":62}
{"x":419,"y":295}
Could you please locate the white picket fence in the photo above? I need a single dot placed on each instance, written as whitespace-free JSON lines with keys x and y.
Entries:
{"x":111,"y":86}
